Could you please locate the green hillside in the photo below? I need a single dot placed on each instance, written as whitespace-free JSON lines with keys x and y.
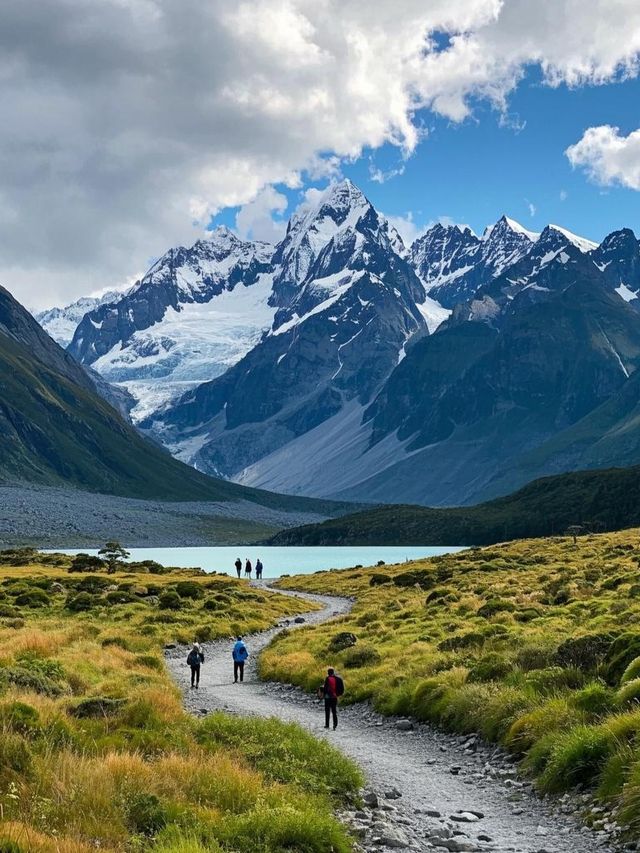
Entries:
{"x":598,"y":500}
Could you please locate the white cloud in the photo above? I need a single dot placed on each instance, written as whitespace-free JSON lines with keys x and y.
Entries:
{"x":405,"y":226}
{"x":608,"y":157}
{"x":564,"y":195}
{"x":261,"y":219}
{"x":531,"y":207}
{"x":127,"y":123}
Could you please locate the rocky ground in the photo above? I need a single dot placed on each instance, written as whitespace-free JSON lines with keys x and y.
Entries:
{"x":427,"y":791}
{"x":66,"y":518}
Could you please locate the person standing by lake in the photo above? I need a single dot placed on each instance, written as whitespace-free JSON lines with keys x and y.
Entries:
{"x":239,"y":654}
{"x":195,"y":658}
{"x":238,"y":565}
{"x":247,"y":569}
{"x":259,"y":568}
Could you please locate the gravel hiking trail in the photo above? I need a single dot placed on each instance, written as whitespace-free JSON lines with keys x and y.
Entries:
{"x":427,"y":790}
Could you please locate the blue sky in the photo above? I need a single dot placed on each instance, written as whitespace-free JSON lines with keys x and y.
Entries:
{"x":473,"y":171}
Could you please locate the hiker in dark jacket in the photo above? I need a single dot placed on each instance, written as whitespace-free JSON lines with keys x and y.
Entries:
{"x":240,"y":654}
{"x":238,"y":565}
{"x":247,"y":568}
{"x":332,"y":689}
{"x":194,"y":659}
{"x":259,"y":569}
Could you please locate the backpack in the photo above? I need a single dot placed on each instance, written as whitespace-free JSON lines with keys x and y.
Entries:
{"x":339,"y":686}
{"x":194,"y":658}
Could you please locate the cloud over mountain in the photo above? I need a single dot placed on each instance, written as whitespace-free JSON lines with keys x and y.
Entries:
{"x":126,"y":122}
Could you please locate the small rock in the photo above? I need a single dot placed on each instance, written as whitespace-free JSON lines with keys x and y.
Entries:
{"x":169,"y":646}
{"x":432,"y":813}
{"x":392,"y":794}
{"x":299,"y":620}
{"x":404,"y":726}
{"x":455,"y":769}
{"x":370,"y":798}
{"x":394,"y":838}
{"x":465,"y":817}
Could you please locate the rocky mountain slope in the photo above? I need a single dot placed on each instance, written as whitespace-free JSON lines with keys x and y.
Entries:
{"x":347,"y":301}
{"x":328,"y":366}
{"x":196,"y":311}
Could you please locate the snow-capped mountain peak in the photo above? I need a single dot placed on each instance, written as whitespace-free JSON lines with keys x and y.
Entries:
{"x":61,"y":323}
{"x":580,"y":242}
{"x":503,"y":227}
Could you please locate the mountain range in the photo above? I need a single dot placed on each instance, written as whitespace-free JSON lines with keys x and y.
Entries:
{"x":341,"y":363}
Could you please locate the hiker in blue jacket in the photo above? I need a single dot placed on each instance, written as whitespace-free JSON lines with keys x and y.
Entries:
{"x":240,"y":654}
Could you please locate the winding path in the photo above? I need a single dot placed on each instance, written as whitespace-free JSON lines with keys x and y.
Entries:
{"x":437,"y":774}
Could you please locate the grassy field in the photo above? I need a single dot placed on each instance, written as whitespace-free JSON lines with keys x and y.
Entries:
{"x":95,"y":748}
{"x":535,"y":644}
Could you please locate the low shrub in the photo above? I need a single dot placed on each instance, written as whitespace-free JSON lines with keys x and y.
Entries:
{"x":189,"y":589}
{"x":20,"y":717}
{"x":81,"y":602}
{"x":170,"y":600}
{"x":490,"y":667}
{"x":363,"y":655}
{"x":594,"y":698}
{"x":534,"y":656}
{"x":585,"y":653}
{"x":379,"y":579}
{"x":493,"y":606}
{"x":119,"y":596}
{"x":96,"y":706}
{"x":554,"y":678}
{"x":94,"y":584}
{"x":341,"y":641}
{"x":33,"y":598}
{"x":461,"y":641}
{"x":145,"y":814}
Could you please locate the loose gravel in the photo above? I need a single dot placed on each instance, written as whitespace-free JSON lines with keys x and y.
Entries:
{"x":48,"y":517}
{"x":427,"y":791}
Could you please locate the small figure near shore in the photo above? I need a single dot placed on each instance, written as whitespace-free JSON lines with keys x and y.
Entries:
{"x":195,"y":658}
{"x":331,"y":690}
{"x":248,"y":569}
{"x":238,"y":565}
{"x":259,"y":568}
{"x":240,"y":654}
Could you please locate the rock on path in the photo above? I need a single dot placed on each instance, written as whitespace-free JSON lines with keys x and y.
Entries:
{"x":437,"y":810}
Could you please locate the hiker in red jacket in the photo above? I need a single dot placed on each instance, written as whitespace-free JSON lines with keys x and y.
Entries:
{"x":332,"y":689}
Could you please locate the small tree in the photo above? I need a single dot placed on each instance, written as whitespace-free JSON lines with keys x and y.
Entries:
{"x":575,"y":530}
{"x":113,"y":553}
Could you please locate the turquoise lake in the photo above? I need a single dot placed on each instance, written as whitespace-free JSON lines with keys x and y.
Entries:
{"x":280,"y":561}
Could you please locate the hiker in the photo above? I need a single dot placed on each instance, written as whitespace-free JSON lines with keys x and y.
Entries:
{"x":247,"y":568}
{"x":194,"y":659}
{"x":238,"y":565}
{"x":240,"y":654}
{"x":259,"y":568}
{"x":331,"y":690}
